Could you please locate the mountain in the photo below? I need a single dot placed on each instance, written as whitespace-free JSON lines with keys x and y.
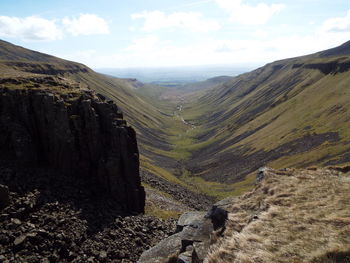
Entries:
{"x":289,"y":113}
{"x":152,"y":119}
{"x":342,"y":50}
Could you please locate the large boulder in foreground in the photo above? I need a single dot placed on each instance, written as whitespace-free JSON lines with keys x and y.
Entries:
{"x":74,"y":131}
{"x":191,"y":242}
{"x":189,"y":245}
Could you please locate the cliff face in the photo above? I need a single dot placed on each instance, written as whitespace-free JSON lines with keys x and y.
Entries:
{"x":73,"y":131}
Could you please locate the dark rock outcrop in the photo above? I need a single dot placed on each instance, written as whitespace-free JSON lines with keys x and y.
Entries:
{"x":218,"y":216}
{"x":4,"y":196}
{"x":332,"y":67}
{"x":76,"y":133}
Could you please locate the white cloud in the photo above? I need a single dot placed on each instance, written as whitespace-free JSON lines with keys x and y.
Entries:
{"x":193,"y":21}
{"x":33,"y":28}
{"x":337,"y":24}
{"x":153,"y":51}
{"x":143,"y":45}
{"x":249,"y":14}
{"x":261,"y":33}
{"x":266,"y":46}
{"x":86,"y":24}
{"x":29,"y":28}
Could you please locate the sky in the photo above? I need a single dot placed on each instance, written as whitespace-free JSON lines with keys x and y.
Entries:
{"x":164,"y":33}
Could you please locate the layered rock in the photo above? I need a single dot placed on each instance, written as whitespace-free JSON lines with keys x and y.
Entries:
{"x":75,"y":132}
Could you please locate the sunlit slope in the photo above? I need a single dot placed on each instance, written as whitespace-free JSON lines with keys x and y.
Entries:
{"x":293,"y":112}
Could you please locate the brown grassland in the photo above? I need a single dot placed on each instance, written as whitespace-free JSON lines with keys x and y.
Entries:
{"x":291,"y":216}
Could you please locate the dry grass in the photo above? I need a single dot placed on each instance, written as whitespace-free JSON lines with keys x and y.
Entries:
{"x":292,"y":216}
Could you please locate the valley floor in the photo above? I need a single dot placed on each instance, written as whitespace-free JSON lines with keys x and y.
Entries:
{"x":170,"y":175}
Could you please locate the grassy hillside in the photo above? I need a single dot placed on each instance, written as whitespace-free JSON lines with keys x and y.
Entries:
{"x":291,"y":216}
{"x":289,"y":113}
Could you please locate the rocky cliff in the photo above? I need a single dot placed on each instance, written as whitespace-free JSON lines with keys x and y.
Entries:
{"x":52,"y":122}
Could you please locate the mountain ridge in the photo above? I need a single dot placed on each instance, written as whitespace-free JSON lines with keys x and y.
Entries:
{"x":236,"y":116}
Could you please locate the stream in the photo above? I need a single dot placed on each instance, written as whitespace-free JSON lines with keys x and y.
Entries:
{"x":177,"y":113}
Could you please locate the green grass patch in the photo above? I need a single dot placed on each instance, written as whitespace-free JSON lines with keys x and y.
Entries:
{"x":153,"y":210}
{"x":219,"y":190}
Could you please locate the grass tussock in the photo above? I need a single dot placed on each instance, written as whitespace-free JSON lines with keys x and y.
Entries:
{"x":292,"y":216}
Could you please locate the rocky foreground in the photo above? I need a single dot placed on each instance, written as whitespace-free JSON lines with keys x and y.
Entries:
{"x":54,"y":218}
{"x":291,"y":216}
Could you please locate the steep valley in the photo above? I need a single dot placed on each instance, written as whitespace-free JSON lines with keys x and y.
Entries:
{"x":69,"y":153}
{"x":211,"y":142}
{"x":290,"y":113}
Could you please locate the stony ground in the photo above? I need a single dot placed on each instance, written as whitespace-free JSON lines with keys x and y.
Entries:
{"x":196,"y":201}
{"x":56,"y":219}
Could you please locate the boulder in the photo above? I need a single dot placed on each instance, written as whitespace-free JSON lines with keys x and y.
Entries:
{"x":189,"y":245}
{"x":193,"y":218}
{"x":261,"y":174}
{"x":218,"y":216}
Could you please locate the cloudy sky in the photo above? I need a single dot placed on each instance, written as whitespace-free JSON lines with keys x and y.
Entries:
{"x":153,"y":33}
